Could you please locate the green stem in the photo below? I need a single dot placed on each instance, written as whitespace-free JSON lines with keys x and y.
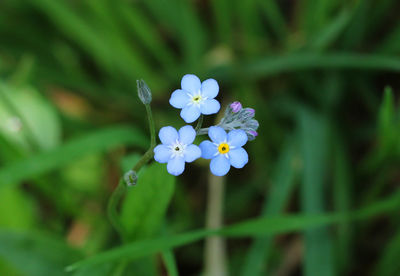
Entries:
{"x":199,"y":123}
{"x":151,"y":126}
{"x":112,"y":207}
{"x":145,"y":158}
{"x":119,"y":192}
{"x":202,"y":131}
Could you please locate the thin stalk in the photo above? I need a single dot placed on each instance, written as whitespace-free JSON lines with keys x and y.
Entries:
{"x":199,"y":124}
{"x":151,"y":126}
{"x":118,"y":193}
{"x":112,"y":211}
{"x":215,"y":249}
{"x":144,"y":159}
{"x":202,"y":131}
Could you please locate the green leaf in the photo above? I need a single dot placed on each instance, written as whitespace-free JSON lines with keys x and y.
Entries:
{"x":25,"y":111}
{"x":342,"y":186}
{"x":35,"y":254}
{"x":145,"y":204}
{"x":18,"y":211}
{"x":318,"y":242}
{"x":256,"y":227}
{"x":95,"y":142}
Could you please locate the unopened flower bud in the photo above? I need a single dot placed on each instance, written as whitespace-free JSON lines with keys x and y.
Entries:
{"x":236,"y":106}
{"x":254,"y":133}
{"x":253,"y":124}
{"x":130,"y":178}
{"x":144,"y":92}
{"x":246,"y":114}
{"x":251,"y":134}
{"x":251,"y":111}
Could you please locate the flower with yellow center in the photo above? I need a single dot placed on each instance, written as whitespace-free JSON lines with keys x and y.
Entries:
{"x":223,"y":148}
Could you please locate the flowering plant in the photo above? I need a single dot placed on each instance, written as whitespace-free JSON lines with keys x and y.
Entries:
{"x":195,"y":99}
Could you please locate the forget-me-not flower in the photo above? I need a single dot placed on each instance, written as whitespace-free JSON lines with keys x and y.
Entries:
{"x":225,"y":150}
{"x":195,"y":98}
{"x":176,"y":148}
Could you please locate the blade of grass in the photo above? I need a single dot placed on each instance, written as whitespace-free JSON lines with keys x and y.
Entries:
{"x":147,"y":33}
{"x":98,"y":141}
{"x":182,"y":20}
{"x":129,"y":57}
{"x":170,"y":262}
{"x":275,"y":18}
{"x":72,"y":25}
{"x":255,"y":227}
{"x":388,"y":264}
{"x":268,"y":66}
{"x":342,"y":200}
{"x":318,"y":259}
{"x":222,"y":11}
{"x":331,"y":31}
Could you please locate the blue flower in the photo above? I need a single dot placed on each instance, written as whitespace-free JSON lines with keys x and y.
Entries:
{"x":225,"y":150}
{"x":195,"y":98}
{"x":176,"y":148}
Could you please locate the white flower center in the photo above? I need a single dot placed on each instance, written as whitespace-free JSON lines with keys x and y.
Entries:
{"x":197,"y":99}
{"x":177,"y":149}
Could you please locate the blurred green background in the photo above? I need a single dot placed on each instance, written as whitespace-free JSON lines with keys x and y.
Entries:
{"x":319,"y":195}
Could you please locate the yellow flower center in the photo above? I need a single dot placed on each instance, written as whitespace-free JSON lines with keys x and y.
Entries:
{"x":196,"y":99}
{"x":223,"y":148}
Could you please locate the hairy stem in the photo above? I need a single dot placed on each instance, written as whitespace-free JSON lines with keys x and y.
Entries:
{"x":112,"y":206}
{"x":144,"y":159}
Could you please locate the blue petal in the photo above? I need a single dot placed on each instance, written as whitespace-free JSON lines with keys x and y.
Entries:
{"x":217,"y":134}
{"x":210,"y":106}
{"x":162,"y":153}
{"x":168,"y":135}
{"x":179,"y":99}
{"x":191,"y":83}
{"x":190,"y":113}
{"x":237,"y":138}
{"x":238,"y":158}
{"x":192,"y":152}
{"x":220,"y":165}
{"x":208,"y":149}
{"x":176,"y":166}
{"x":210,"y":88}
{"x":187,"y":135}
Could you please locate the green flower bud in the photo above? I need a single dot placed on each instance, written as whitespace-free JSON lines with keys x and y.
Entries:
{"x":130,"y":178}
{"x":144,"y":92}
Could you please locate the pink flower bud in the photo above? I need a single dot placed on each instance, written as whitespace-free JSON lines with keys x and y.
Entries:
{"x":254,"y":133}
{"x":236,"y":106}
{"x":251,"y":111}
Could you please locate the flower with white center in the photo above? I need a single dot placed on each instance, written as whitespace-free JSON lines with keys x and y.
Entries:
{"x":195,"y":98}
{"x":176,"y":148}
{"x":225,"y":150}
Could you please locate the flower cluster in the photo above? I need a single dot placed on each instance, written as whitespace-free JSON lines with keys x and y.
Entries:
{"x":227,"y":138}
